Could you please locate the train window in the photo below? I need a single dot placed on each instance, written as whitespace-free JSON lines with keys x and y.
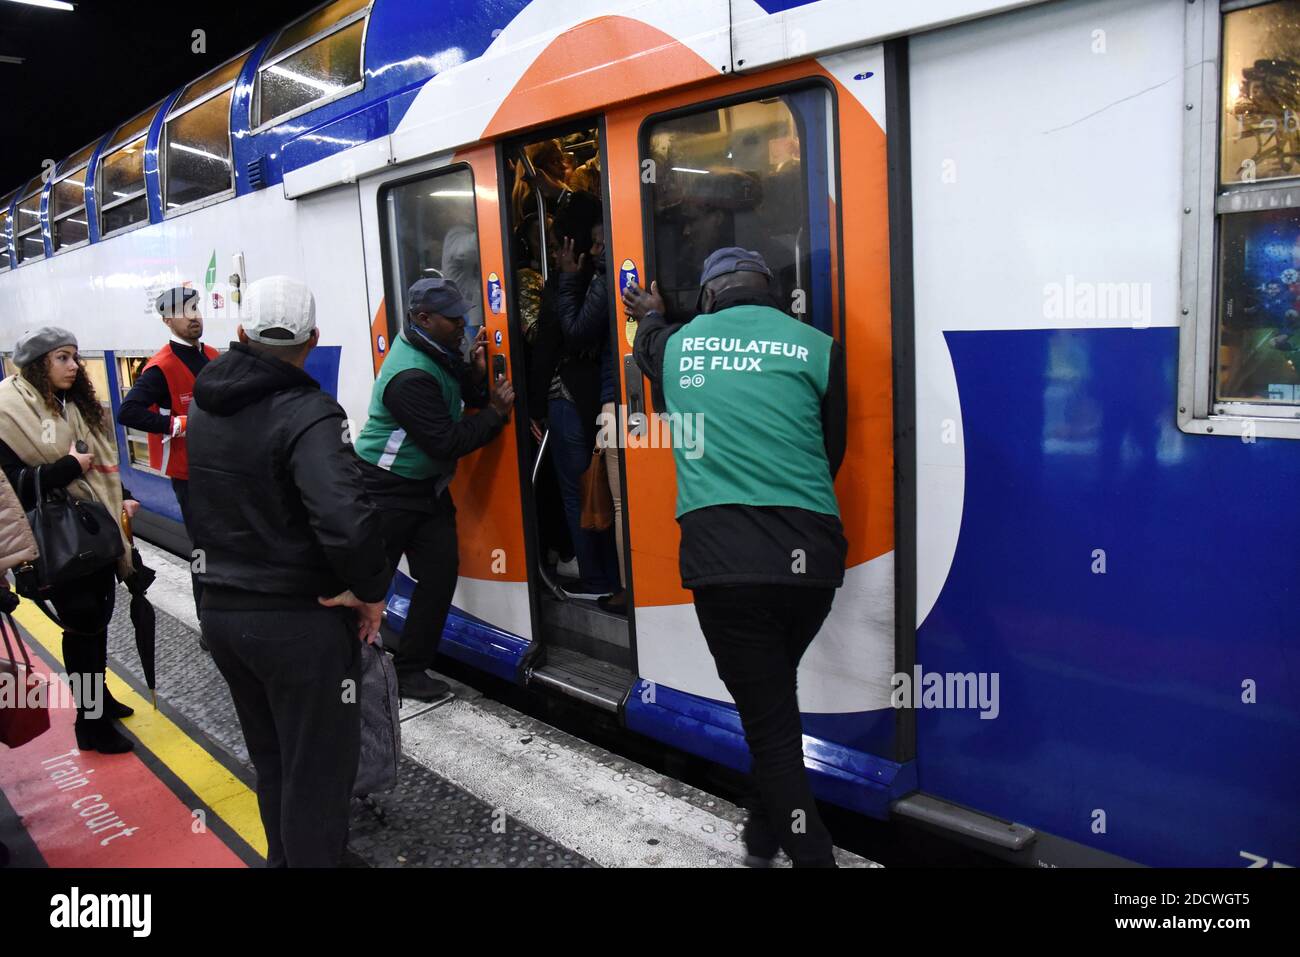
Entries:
{"x":205,"y":86}
{"x":315,"y":59}
{"x":137,"y":442}
{"x":28,"y":243}
{"x":757,"y":173}
{"x":196,"y":140}
{"x":1260,"y":132}
{"x":97,"y":371}
{"x":432,"y":231}
{"x":68,"y":223}
{"x":1259,"y":319}
{"x":6,"y":229}
{"x":122,"y":200}
{"x":1241,"y":274}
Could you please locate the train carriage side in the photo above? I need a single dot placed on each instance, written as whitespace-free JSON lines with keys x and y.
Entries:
{"x":1107,"y":561}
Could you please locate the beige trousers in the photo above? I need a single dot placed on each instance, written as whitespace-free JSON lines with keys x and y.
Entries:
{"x":612,"y":453}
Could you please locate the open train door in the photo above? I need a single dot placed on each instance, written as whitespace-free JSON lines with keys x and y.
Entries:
{"x":441,"y":217}
{"x":790,"y":162}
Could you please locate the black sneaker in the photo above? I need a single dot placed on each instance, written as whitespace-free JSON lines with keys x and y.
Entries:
{"x":420,"y":687}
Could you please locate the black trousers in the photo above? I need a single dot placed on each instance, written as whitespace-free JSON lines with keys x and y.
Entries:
{"x":84,"y":607}
{"x":757,"y":634}
{"x":182,"y":489}
{"x":428,"y":540}
{"x":288,"y":671}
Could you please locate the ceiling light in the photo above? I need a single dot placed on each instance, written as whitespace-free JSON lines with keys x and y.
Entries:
{"x":48,"y":4}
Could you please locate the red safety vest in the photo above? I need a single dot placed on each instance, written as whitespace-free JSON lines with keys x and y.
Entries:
{"x":167,"y":454}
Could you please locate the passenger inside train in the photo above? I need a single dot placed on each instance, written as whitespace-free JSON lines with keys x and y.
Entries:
{"x":565,"y":319}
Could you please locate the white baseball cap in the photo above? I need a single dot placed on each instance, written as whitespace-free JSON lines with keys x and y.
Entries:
{"x":278,"y":311}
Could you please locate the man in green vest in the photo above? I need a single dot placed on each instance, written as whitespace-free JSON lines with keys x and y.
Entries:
{"x":757,"y":403}
{"x":409,"y":446}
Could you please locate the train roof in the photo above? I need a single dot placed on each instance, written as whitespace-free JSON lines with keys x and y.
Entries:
{"x":482,"y":49}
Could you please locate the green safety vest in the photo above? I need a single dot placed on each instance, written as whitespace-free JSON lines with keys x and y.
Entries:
{"x":382,"y":441}
{"x":743,"y":388}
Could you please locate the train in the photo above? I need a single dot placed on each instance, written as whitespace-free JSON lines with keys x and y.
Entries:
{"x":1059,"y":242}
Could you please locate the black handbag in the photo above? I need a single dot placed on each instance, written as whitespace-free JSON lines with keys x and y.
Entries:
{"x":74,"y":538}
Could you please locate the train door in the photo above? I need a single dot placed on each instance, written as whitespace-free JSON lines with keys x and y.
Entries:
{"x":442,"y":218}
{"x":560,"y":291}
{"x":754,"y":161}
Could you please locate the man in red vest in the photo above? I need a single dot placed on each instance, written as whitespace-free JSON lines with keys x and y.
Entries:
{"x":159,"y":401}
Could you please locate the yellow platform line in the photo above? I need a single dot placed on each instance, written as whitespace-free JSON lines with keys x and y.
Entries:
{"x":227,"y":796}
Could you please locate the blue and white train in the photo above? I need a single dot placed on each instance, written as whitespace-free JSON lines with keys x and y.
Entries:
{"x":1060,"y":242}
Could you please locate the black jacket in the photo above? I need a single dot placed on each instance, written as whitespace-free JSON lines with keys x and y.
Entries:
{"x":578,"y":360}
{"x":584,"y":316}
{"x":414,"y":399}
{"x":277,"y":502}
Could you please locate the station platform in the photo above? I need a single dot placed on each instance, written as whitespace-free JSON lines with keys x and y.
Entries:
{"x":479,"y":784}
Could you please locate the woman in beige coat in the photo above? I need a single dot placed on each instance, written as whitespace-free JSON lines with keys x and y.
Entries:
{"x":47,"y":413}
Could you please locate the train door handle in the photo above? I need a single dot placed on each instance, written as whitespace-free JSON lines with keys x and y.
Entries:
{"x":636,"y":419}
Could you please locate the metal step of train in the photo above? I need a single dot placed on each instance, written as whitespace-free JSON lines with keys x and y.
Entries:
{"x":599,"y":683}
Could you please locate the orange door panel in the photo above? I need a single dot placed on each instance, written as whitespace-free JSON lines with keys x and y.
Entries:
{"x":860,"y":300}
{"x":486,"y":488}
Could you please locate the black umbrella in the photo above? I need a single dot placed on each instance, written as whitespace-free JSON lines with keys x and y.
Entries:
{"x":142,"y":614}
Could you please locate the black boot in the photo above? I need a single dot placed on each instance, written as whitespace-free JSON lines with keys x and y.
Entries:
{"x":114,"y":708}
{"x":98,"y":734}
{"x":83,"y":657}
{"x":99,"y":643}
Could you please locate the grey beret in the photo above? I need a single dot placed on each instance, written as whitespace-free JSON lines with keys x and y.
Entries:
{"x":32,"y":345}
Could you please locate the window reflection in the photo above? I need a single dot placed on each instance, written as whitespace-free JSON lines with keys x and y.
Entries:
{"x":28,"y":243}
{"x":319,"y":71}
{"x":1261,"y":93}
{"x":313,"y":24}
{"x":122,"y":173}
{"x":137,"y":442}
{"x":71,"y":230}
{"x":433,"y":232}
{"x":755,"y":174}
{"x":1259,"y":314}
{"x":197,"y":147}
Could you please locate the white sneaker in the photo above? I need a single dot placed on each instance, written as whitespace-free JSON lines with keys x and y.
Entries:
{"x":568,"y":569}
